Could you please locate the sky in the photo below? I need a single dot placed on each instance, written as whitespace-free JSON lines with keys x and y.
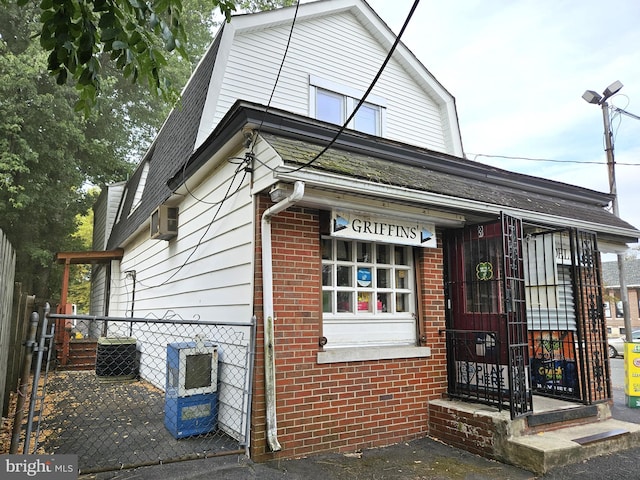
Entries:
{"x":518,"y":69}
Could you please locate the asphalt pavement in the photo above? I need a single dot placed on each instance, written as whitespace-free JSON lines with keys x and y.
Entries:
{"x":422,"y":459}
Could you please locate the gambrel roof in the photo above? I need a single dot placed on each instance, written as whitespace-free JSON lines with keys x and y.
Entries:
{"x":203,"y":102}
{"x":171,"y":148}
{"x":204,"y":122}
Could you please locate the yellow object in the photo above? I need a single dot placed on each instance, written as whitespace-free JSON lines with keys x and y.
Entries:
{"x":632,"y":374}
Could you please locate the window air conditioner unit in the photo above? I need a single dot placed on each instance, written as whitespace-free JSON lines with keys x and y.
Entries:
{"x":164,"y":223}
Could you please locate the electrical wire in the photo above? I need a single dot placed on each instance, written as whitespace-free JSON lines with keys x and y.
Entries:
{"x":275,"y":84}
{"x":243,"y":164}
{"x":507,"y":157}
{"x":362,"y":100}
{"x":227,"y":195}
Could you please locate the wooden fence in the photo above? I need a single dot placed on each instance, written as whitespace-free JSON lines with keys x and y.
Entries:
{"x":7,"y":276}
{"x":15,"y":308}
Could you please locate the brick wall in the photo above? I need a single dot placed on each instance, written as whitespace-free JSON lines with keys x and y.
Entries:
{"x":463,"y":429}
{"x":339,"y":406}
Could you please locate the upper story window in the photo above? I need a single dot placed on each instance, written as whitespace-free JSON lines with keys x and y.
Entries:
{"x":334,"y":103}
{"x":137,"y":198}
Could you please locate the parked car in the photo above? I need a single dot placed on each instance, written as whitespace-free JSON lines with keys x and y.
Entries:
{"x":616,"y":345}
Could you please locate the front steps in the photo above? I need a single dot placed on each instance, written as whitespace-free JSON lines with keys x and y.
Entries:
{"x":557,"y":433}
{"x":546,"y":450}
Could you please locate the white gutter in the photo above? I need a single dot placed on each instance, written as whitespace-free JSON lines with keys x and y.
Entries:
{"x":402,"y":194}
{"x":268,"y":313}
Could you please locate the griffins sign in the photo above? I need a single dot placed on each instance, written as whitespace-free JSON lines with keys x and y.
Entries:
{"x":360,"y":226}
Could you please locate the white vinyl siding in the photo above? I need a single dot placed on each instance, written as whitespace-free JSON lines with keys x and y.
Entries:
{"x":215,"y":282}
{"x":339,"y":49}
{"x":105,"y":212}
{"x":97,"y":301}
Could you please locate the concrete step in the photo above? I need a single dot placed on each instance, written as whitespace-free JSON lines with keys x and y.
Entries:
{"x":556,"y":433}
{"x":542,"y":451}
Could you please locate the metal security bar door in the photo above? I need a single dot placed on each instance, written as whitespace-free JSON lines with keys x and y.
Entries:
{"x":565,"y":316}
{"x":520,"y":400}
{"x":592,"y":344}
{"x":487,"y":348}
{"x":551,"y":313}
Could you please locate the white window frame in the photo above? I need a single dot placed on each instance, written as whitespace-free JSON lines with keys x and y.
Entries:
{"x":351,"y":97}
{"x":391,"y":334}
{"x":137,"y":198}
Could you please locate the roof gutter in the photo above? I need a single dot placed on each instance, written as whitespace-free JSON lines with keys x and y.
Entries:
{"x":269,"y":315}
{"x":626,"y":234}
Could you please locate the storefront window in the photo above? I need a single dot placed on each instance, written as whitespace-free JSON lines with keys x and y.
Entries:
{"x":366,"y":284}
{"x":368,"y":295}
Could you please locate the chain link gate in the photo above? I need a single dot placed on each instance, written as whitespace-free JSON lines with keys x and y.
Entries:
{"x":159,"y":390}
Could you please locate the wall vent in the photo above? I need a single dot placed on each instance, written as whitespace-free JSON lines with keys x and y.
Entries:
{"x":164,"y":223}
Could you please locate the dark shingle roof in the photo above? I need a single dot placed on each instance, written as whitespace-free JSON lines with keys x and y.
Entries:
{"x":491,"y":189}
{"x":611,"y":277}
{"x":173,"y":146}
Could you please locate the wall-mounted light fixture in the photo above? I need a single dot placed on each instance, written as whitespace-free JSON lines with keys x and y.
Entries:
{"x":280,"y":191}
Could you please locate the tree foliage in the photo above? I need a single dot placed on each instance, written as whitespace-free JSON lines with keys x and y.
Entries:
{"x":80,"y":274}
{"x":48,"y":153}
{"x":135,"y":34}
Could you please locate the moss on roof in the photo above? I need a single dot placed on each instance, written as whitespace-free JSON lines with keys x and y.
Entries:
{"x":414,"y":176}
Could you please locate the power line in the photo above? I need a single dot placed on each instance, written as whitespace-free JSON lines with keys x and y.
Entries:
{"x":227,"y":195}
{"x":373,"y":83}
{"x":275,"y":84}
{"x":530,"y":159}
{"x":242,"y":166}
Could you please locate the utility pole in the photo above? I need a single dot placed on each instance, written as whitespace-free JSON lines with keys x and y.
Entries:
{"x":611,"y":165}
{"x":593,"y":97}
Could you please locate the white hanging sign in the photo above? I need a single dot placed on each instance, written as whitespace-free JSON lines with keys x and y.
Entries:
{"x":372,"y":228}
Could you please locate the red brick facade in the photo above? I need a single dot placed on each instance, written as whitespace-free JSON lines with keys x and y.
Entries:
{"x":464,"y":429}
{"x":338,"y":406}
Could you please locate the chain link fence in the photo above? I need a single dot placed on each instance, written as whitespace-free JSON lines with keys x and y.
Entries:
{"x":158,"y":390}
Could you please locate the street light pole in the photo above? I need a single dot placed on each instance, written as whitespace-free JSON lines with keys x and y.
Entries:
{"x":611,"y":164}
{"x":592,"y":97}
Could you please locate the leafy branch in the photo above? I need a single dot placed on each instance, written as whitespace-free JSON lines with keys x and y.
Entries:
{"x":135,"y":34}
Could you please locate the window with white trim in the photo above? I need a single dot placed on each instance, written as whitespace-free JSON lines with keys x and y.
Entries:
{"x":334,"y":103}
{"x":137,"y":198}
{"x":368,"y":293}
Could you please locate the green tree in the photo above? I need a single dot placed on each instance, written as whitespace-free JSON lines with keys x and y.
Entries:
{"x":49,"y":153}
{"x":135,"y":34}
{"x":80,"y":274}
